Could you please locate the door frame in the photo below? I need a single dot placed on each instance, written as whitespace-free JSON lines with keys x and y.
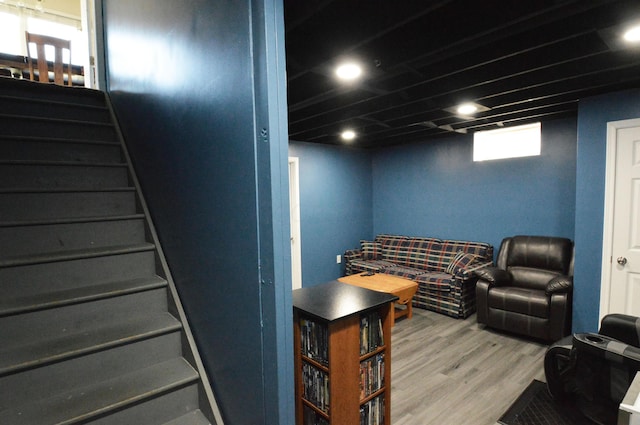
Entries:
{"x":91,"y":18}
{"x":609,"y":199}
{"x":294,"y":200}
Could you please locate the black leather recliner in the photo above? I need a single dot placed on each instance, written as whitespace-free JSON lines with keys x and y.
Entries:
{"x":530,"y":290}
{"x":593,"y":372}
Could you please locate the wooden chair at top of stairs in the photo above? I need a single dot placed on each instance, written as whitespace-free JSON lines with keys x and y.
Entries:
{"x":59,"y":65}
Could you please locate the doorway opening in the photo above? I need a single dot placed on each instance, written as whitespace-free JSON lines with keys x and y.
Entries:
{"x":73,"y":20}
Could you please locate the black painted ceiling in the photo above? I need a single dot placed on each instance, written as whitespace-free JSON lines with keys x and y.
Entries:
{"x":526,"y":60}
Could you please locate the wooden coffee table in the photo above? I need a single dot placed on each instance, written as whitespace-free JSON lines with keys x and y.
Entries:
{"x":404,"y":289}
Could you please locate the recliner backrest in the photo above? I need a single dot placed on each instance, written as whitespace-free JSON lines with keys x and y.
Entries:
{"x":534,"y":260}
{"x":622,"y":327}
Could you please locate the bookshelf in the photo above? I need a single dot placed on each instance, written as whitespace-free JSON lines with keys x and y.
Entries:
{"x":342,"y":343}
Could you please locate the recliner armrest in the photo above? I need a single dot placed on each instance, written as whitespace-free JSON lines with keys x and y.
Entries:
{"x":494,"y":276}
{"x":559,"y":285}
{"x":559,"y":362}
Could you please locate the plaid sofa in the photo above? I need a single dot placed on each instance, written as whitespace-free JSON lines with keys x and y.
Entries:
{"x":443,"y":269}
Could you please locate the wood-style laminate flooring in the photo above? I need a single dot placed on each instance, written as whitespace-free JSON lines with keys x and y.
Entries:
{"x":448,"y":371}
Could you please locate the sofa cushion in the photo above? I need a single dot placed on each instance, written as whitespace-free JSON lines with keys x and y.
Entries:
{"x":439,"y":282}
{"x":371,"y":250}
{"x":394,"y":250}
{"x":450,"y":249}
{"x":418,"y":253}
{"x":427,"y":253}
{"x":384,"y":238}
{"x":402,"y":271}
{"x":460,"y":262}
{"x":481,"y":249}
{"x":531,"y":278}
{"x":358,"y":266}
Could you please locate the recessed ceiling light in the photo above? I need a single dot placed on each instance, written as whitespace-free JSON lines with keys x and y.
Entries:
{"x":467,"y":109}
{"x":348,"y":135}
{"x":348,"y":71}
{"x":632,"y":35}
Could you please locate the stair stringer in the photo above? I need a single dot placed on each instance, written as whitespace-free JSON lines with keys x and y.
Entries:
{"x":190,"y":349}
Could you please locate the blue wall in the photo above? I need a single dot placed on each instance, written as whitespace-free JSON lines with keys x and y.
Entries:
{"x":443,"y":193}
{"x":335,"y":206}
{"x":431,"y":189}
{"x":193,"y":89}
{"x":435,"y":189}
{"x":594,"y":113}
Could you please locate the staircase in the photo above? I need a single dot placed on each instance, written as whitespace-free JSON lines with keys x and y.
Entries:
{"x":91,"y":330}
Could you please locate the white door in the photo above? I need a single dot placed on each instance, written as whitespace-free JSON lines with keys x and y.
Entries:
{"x":294,"y":213}
{"x":620,"y":291}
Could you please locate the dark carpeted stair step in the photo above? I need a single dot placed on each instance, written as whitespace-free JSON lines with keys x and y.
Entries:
{"x":58,"y":174}
{"x":27,"y":204}
{"x":32,"y":90}
{"x":38,"y":353}
{"x":21,"y":303}
{"x":20,"y":125}
{"x":59,"y":235}
{"x":46,"y":108}
{"x":73,"y":255}
{"x":69,"y":220}
{"x":192,"y":418}
{"x":88,"y":318}
{"x":43,"y":381}
{"x":59,"y":149}
{"x":103,"y":398}
{"x":33,"y":279}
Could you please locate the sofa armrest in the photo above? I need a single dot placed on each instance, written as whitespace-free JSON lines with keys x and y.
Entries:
{"x":559,"y":285}
{"x":352,"y":254}
{"x":494,"y":276}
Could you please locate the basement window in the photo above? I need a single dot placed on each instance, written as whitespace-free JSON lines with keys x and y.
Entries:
{"x":511,"y":142}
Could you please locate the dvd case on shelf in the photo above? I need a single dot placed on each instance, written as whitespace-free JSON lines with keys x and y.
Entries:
{"x":315,"y":386}
{"x":371,"y":334}
{"x":372,"y":412}
{"x":313,"y":338}
{"x":311,"y":417}
{"x":371,"y":375}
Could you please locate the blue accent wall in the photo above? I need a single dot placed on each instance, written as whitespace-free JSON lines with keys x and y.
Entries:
{"x":203,"y":109}
{"x":435,"y":189}
{"x":594,"y":113}
{"x":431,"y":189}
{"x":335,"y":206}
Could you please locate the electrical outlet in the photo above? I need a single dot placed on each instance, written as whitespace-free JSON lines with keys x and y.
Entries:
{"x":338,"y":259}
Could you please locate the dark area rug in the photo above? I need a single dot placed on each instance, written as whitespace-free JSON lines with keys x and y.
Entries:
{"x":536,"y":407}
